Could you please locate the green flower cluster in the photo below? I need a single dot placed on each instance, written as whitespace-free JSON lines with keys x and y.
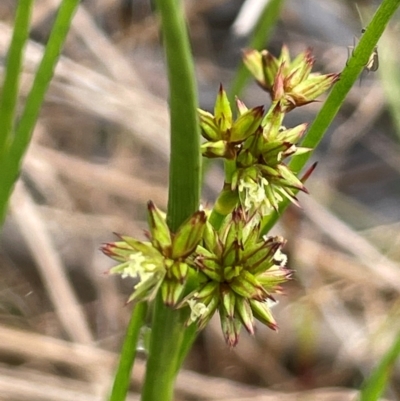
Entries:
{"x":258,"y":144}
{"x":290,"y":82}
{"x":237,"y":270}
{"x":161,"y":262}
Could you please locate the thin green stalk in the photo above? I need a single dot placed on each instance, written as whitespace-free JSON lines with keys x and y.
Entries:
{"x":128,"y":353}
{"x":167,"y":334}
{"x":354,"y":67}
{"x":260,"y":36}
{"x":184,"y":175}
{"x":186,"y":345}
{"x":13,"y":71}
{"x":168,"y":331}
{"x":11,"y":161}
{"x":390,"y":78}
{"x":374,"y":386}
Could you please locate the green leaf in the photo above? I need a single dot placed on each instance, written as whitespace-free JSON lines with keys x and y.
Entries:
{"x":12,"y":158}
{"x":374,"y":386}
{"x":123,"y":376}
{"x":9,"y":96}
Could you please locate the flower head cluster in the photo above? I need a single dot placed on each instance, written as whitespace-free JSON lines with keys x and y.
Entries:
{"x":161,"y":262}
{"x":239,"y":272}
{"x":259,"y":145}
{"x":223,"y":135}
{"x":261,"y":179}
{"x":289,"y":82}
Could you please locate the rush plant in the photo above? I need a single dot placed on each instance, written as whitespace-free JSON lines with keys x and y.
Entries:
{"x":199,"y":262}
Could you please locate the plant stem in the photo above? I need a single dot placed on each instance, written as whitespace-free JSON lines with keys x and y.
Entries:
{"x":13,"y":71}
{"x":375,"y":385}
{"x":128,"y":353}
{"x":184,"y":175}
{"x":168,"y":331}
{"x":11,"y":160}
{"x":166,"y":338}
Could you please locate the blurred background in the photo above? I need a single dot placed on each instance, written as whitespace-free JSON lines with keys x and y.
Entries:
{"x":100,"y":151}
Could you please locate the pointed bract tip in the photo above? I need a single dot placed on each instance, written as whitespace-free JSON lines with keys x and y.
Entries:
{"x":258,"y":111}
{"x":273,"y":326}
{"x":308,"y":173}
{"x":231,"y":341}
{"x":107,"y":248}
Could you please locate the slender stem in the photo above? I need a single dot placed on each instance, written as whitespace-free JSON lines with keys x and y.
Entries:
{"x":166,"y":338}
{"x":128,"y":353}
{"x":375,"y":385}
{"x":44,"y":75}
{"x":354,"y":67}
{"x":186,"y":345}
{"x":13,"y":71}
{"x":11,"y":161}
{"x":168,"y":331}
{"x":184,"y":176}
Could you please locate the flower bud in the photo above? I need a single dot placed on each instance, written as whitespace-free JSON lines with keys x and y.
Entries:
{"x":228,"y":301}
{"x":171,"y":291}
{"x":209,"y":128}
{"x":222,"y":111}
{"x":245,"y":314}
{"x":160,"y":235}
{"x":248,"y":287}
{"x":230,"y":329}
{"x":218,"y":149}
{"x":262,"y":312}
{"x":247,"y":124}
{"x":307,"y":91}
{"x":188,"y":235}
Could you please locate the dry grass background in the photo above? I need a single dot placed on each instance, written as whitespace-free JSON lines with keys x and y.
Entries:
{"x":100,"y":151}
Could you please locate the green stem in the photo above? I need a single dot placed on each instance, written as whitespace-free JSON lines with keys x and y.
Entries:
{"x":184,"y":176}
{"x":354,"y":67}
{"x":186,"y":345}
{"x":227,"y":199}
{"x":128,"y":353}
{"x":374,"y":386}
{"x":13,"y":70}
{"x":11,"y":161}
{"x":43,"y":76}
{"x":169,"y":335}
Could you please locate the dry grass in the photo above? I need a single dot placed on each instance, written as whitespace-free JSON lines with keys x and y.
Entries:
{"x":100,"y":151}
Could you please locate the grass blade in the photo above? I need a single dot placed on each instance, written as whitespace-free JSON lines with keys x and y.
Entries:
{"x":374,"y":386}
{"x":9,"y":97}
{"x":128,"y":353}
{"x":11,"y":161}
